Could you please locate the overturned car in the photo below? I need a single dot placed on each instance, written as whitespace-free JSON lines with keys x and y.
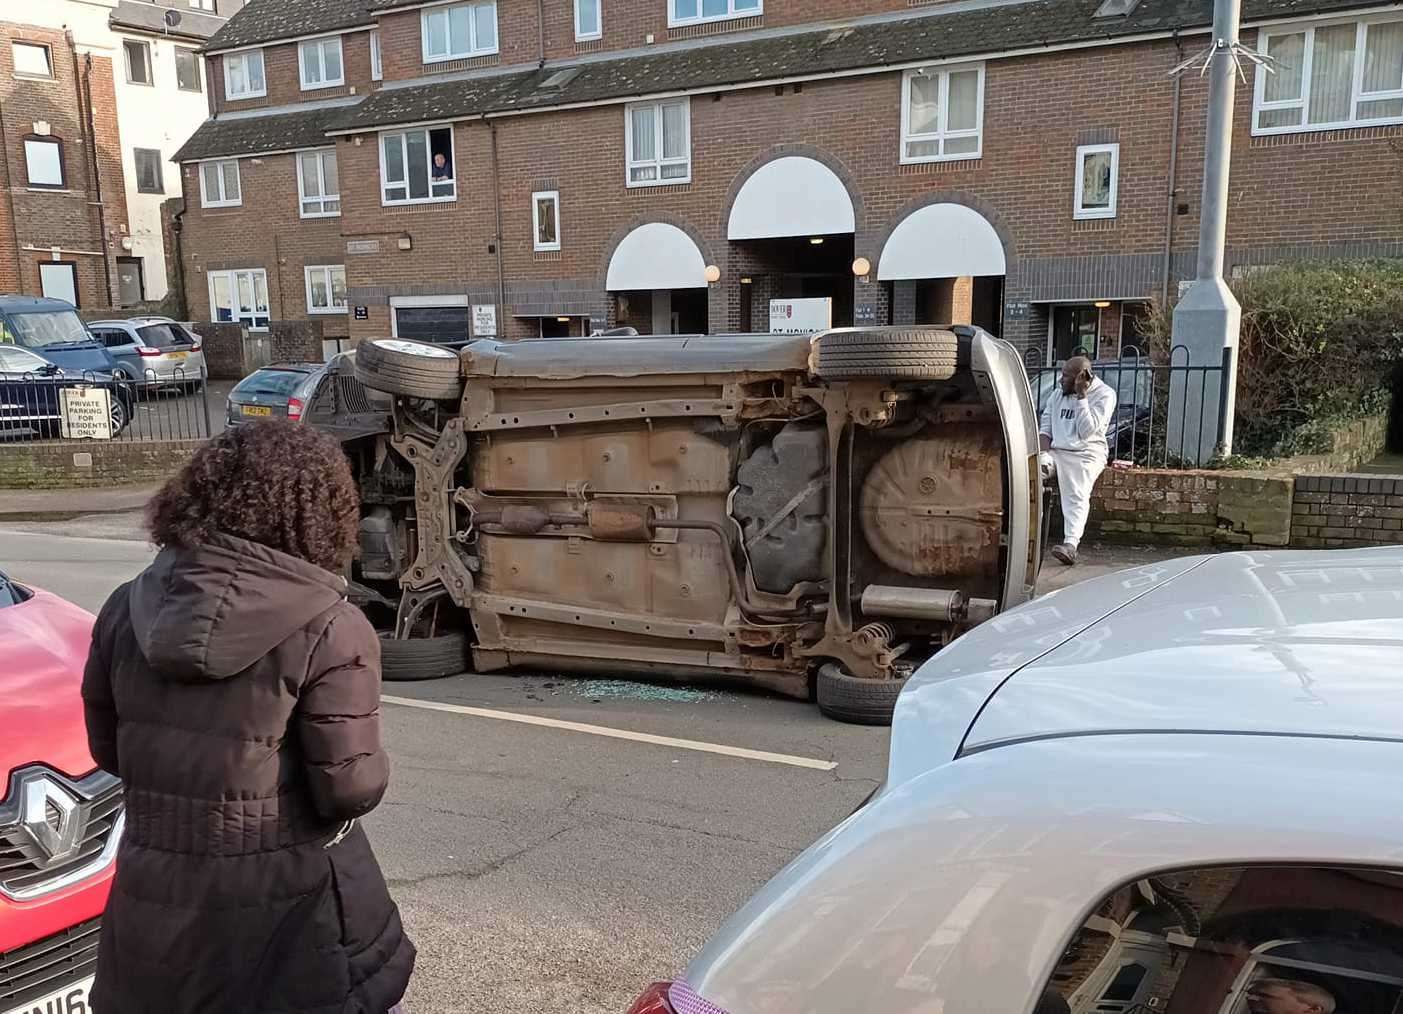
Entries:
{"x":816,"y":515}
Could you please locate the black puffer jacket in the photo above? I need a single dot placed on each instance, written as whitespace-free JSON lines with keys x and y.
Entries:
{"x":236,"y":693}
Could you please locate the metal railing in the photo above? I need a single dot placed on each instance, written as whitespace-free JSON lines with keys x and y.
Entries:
{"x":1168,"y":415}
{"x":63,"y":407}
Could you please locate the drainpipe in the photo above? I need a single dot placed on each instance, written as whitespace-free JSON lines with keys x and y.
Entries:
{"x":177,"y":228}
{"x":541,"y":23}
{"x":85,"y":98}
{"x":497,"y":199}
{"x":1172,"y":195}
{"x":10,"y":195}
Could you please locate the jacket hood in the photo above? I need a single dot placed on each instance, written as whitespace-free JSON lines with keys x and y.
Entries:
{"x":212,"y":611}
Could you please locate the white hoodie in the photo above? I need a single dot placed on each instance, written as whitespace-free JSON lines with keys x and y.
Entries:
{"x":1079,"y":424}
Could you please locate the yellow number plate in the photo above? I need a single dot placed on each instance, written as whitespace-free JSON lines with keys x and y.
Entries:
{"x":178,"y":355}
{"x":257,"y":410}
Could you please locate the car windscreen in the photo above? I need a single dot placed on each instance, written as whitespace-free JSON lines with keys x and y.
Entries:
{"x":281,"y":383}
{"x":50,"y":327}
{"x":161,"y":336}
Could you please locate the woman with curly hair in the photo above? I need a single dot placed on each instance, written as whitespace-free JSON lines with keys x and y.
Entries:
{"x":236,"y":693}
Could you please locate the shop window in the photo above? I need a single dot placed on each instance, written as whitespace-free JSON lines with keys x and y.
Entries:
{"x":1098,"y":172}
{"x":942,"y":114}
{"x":692,"y":12}
{"x":148,"y":171}
{"x":243,"y":75}
{"x":326,"y":288}
{"x":187,"y":70}
{"x":659,"y":140}
{"x":240,"y":297}
{"x":1328,"y":76}
{"x":138,"y":57}
{"x":32,"y":59}
{"x":43,"y":162}
{"x":545,"y":218}
{"x":416,"y":166}
{"x":459,"y":32}
{"x":588,"y":20}
{"x":318,"y":184}
{"x":219,"y":184}
{"x":319,"y":63}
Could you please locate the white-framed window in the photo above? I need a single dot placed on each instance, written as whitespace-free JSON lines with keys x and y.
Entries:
{"x":416,"y":166}
{"x":239,"y":297}
{"x":460,"y":31}
{"x":32,"y":59}
{"x":693,"y":12}
{"x":43,"y":162}
{"x":219,"y":184}
{"x":589,"y":20}
{"x":326,"y":288}
{"x":1098,"y":177}
{"x":319,"y":63}
{"x":377,"y":72}
{"x":187,"y":70}
{"x":243,"y":75}
{"x":318,"y":185}
{"x":1328,"y":76}
{"x":942,"y":114}
{"x":659,"y":142}
{"x":545,"y":220}
{"x":138,"y":57}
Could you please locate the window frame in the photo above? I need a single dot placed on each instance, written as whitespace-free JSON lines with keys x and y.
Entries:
{"x":404,"y":133}
{"x":223,"y":200}
{"x":322,"y":198}
{"x":474,"y":51}
{"x":160,"y":172}
{"x":57,"y":142}
{"x":598,"y":32}
{"x":16,"y":44}
{"x":232,"y":274}
{"x":1358,"y":96}
{"x":145,"y":47}
{"x":194,"y":55}
{"x":377,"y":66}
{"x":320,"y":44}
{"x":245,"y":55}
{"x":554,"y":197}
{"x":630,"y":163}
{"x":1079,"y":211}
{"x":326,"y":270}
{"x":673,"y":21}
{"x":944,"y":71}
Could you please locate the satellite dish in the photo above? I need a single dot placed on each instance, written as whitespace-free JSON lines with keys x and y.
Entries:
{"x":172,"y":19}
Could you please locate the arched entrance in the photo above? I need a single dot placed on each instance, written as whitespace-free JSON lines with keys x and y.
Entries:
{"x":944,"y":263}
{"x":791,"y":228}
{"x":657,"y":278}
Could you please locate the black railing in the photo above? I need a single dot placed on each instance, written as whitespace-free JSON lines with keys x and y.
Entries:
{"x":1168,"y":415}
{"x":59,"y":406}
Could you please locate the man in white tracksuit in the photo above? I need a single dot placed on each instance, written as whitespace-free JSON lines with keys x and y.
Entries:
{"x":1074,"y":446}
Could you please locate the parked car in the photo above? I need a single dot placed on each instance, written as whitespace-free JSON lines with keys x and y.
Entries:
{"x":680,"y":506}
{"x":31,"y":395}
{"x":274,"y":392}
{"x":60,"y":817}
{"x":1133,"y":381}
{"x":153,"y":350}
{"x":1171,"y":788}
{"x":50,"y":328}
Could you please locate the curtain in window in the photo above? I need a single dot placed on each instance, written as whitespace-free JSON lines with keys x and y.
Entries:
{"x":964,"y":100}
{"x":1096,"y":181}
{"x":675,"y":140}
{"x":1289,"y":52}
{"x":320,"y":297}
{"x":211,"y":172}
{"x":331,"y":59}
{"x":238,"y":80}
{"x":231,"y":180}
{"x":1383,"y":70}
{"x":311,"y":185}
{"x":331,"y":183}
{"x":1332,"y":75}
{"x":417,"y":146}
{"x":338,"y":287}
{"x":644,"y":148}
{"x":925,"y":104}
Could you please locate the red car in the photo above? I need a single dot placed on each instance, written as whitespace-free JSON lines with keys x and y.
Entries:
{"x":60,"y":817}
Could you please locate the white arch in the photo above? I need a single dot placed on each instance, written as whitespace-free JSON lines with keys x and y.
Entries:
{"x":791,"y":196}
{"x":656,"y":256}
{"x":942,"y":241}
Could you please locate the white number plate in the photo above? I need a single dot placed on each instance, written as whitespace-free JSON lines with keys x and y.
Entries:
{"x":71,"y":999}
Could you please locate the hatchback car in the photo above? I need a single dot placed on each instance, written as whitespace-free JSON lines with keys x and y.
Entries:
{"x":31,"y":396}
{"x":810,"y":514}
{"x":274,"y":392}
{"x":153,"y":350}
{"x":1169,"y":789}
{"x":60,"y":816}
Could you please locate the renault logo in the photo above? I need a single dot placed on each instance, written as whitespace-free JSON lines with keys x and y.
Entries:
{"x":49,"y":818}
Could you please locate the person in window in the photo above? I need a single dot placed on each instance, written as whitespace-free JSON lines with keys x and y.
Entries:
{"x":1288,"y":996}
{"x":1074,"y":447}
{"x":442,"y":171}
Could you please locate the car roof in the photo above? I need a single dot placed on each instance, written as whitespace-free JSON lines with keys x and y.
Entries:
{"x":290,"y":367}
{"x":1280,"y":643}
{"x":32,"y":304}
{"x":111,"y":321}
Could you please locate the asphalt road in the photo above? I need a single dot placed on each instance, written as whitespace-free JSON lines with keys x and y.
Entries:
{"x":540,"y":868}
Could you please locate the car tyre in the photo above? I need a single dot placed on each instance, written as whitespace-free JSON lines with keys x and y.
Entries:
{"x":119,"y":413}
{"x":900,"y":353}
{"x":423,"y":658}
{"x":412,"y":369}
{"x":846,"y":698}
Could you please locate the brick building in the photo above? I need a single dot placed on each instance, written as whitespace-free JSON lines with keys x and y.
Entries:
{"x":94,"y":97}
{"x":674,"y":164}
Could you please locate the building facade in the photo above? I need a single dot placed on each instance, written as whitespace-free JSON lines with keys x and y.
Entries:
{"x":95,"y":97}
{"x":515,"y":168}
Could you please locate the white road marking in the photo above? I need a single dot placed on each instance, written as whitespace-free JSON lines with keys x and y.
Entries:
{"x":602,"y":730}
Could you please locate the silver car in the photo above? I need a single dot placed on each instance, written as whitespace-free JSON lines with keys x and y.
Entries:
{"x":1171,"y":789}
{"x":154,"y":350}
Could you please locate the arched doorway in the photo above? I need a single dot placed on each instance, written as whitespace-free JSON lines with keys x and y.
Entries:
{"x":657,"y":278}
{"x":945,"y":264}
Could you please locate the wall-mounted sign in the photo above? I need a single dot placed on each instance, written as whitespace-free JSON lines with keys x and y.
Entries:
{"x":362,"y":313}
{"x":1016,"y":310}
{"x":485,"y":321}
{"x":864,"y":314}
{"x":362,"y":246}
{"x":800,"y":316}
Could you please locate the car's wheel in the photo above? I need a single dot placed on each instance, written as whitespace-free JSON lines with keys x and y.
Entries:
{"x":413,"y":369}
{"x":423,"y":658}
{"x":846,"y":698}
{"x":119,"y":413}
{"x":897,"y":352}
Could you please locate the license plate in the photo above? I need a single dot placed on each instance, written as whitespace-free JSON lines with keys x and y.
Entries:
{"x":69,"y":1000}
{"x":257,"y":410}
{"x":177,"y":355}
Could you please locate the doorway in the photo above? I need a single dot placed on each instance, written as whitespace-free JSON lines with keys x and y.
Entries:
{"x":663,"y":311}
{"x":131,"y":281}
{"x":1076,"y":330}
{"x":59,"y":280}
{"x":810,"y":267}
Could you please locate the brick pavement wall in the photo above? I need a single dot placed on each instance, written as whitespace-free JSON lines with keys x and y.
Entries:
{"x":1336,"y":511}
{"x":82,"y":464}
{"x":295,"y":341}
{"x":1153,"y":505}
{"x":224,"y":351}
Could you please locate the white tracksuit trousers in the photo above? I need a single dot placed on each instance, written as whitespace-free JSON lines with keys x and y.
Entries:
{"x":1077,"y":472}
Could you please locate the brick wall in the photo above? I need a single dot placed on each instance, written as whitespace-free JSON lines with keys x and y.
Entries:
{"x":283,"y":76}
{"x":224,"y":351}
{"x":295,"y":341}
{"x":78,"y":464}
{"x":1334,"y":511}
